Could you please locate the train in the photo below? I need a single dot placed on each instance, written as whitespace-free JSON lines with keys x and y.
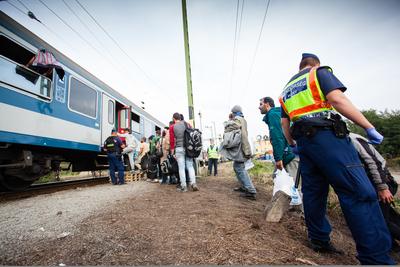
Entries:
{"x":46,"y":120}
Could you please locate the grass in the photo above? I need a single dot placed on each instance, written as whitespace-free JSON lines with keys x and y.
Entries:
{"x":261,"y":168}
{"x":51,"y":177}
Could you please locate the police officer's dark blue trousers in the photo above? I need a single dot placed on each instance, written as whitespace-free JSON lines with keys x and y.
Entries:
{"x":327,"y":160}
{"x":116,"y":165}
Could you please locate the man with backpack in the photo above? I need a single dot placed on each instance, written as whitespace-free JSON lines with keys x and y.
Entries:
{"x":113,"y":146}
{"x":236,"y":147}
{"x":383,"y":181}
{"x":182,"y":147}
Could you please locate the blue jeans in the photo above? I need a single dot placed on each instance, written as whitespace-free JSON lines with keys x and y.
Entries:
{"x":212,"y":162}
{"x":327,"y":160}
{"x":243,"y":177}
{"x":184,"y":163}
{"x":116,"y":164}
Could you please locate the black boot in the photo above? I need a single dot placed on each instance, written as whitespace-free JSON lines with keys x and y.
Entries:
{"x":248,"y":195}
{"x":324,"y":247}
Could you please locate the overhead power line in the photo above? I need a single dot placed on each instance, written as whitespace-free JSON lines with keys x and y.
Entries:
{"x":32,"y":16}
{"x":234,"y":54}
{"x":20,"y":10}
{"x":23,"y":4}
{"x":257,"y":45}
{"x":123,"y":51}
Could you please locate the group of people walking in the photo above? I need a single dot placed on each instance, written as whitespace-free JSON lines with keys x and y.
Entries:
{"x":308,"y":134}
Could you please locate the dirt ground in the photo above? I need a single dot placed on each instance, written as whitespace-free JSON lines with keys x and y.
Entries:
{"x":211,"y":226}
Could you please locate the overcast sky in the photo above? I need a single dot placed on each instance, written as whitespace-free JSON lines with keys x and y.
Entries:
{"x":359,"y":39}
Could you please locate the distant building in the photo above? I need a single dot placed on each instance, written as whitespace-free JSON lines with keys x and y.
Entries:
{"x":262,"y":145}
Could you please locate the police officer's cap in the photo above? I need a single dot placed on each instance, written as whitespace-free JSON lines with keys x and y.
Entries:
{"x":307,"y":55}
{"x":113,"y":131}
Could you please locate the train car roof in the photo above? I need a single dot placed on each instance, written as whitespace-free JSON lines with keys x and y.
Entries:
{"x":16,"y":28}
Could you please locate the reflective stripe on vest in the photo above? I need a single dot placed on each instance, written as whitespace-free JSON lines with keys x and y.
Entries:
{"x":303,"y":96}
{"x":212,"y":152}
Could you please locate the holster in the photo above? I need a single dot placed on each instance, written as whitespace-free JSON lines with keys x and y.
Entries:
{"x":339,"y":126}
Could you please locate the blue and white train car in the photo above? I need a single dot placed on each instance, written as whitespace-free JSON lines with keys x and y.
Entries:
{"x":45,"y":120}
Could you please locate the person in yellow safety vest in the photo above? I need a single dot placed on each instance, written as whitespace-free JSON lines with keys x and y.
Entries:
{"x":327,"y":158}
{"x":212,"y":153}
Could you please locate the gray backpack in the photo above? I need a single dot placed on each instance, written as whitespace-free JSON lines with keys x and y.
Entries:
{"x":232,"y":139}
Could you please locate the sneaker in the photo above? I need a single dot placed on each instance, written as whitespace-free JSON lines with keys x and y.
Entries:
{"x":182,"y":189}
{"x":148,"y":180}
{"x":239,"y":189}
{"x":155,"y":181}
{"x":324,"y":247}
{"x":248,"y":195}
{"x":194,"y":187}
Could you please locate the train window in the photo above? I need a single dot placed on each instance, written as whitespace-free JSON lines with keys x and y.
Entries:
{"x":14,"y":51}
{"x":13,"y":70}
{"x":123,"y":119}
{"x":135,"y":122}
{"x":82,"y":98}
{"x":110,"y":112}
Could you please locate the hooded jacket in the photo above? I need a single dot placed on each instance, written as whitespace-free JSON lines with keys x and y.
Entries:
{"x":281,"y":148}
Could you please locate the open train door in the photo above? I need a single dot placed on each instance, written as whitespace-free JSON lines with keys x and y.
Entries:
{"x":124,"y":117}
{"x":108,"y":120}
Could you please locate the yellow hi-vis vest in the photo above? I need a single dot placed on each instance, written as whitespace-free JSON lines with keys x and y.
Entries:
{"x":212,"y":152}
{"x":303,"y":96}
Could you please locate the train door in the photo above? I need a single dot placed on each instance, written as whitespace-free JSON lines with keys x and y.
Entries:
{"x":124,"y":117}
{"x":108,"y":120}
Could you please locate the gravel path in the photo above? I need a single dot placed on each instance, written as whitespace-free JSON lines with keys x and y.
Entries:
{"x":51,"y":216}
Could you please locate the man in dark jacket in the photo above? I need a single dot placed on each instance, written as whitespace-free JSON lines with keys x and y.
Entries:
{"x":283,"y":155}
{"x":383,"y":181}
{"x":113,"y":146}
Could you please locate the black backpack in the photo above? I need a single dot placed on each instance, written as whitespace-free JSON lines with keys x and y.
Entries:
{"x":145,"y":161}
{"x":192,"y":141}
{"x":173,"y":167}
{"x":109,"y":144}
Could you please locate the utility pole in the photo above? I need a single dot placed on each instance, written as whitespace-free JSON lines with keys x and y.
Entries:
{"x":187,"y":59}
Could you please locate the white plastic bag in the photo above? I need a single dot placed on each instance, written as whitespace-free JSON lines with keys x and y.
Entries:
{"x":248,"y":164}
{"x":283,"y":182}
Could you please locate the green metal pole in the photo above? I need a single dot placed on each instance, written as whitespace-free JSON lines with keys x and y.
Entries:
{"x":187,"y":59}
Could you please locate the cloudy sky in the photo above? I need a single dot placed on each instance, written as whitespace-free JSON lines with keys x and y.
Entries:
{"x":359,"y":39}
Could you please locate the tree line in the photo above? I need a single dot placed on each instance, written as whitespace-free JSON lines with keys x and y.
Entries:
{"x":388,"y":124}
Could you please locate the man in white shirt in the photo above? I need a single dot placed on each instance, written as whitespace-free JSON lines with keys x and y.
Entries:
{"x":131,"y":145}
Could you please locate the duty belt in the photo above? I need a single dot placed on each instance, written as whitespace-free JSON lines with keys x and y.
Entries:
{"x":309,"y":126}
{"x":323,"y":114}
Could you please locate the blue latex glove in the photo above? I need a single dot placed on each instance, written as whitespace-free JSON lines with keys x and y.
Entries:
{"x":374,"y":137}
{"x":295,"y":150}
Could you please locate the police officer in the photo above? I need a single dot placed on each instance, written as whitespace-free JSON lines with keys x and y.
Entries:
{"x":113,"y":146}
{"x":327,"y":157}
{"x":212,"y":153}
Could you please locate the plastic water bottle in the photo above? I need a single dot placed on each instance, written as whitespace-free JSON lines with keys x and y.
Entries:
{"x":294,"y":194}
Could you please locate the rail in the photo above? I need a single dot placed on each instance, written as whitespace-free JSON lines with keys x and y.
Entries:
{"x":51,"y":187}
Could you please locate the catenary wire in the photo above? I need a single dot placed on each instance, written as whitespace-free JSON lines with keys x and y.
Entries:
{"x":124,"y":52}
{"x":23,"y":4}
{"x":101,"y":44}
{"x":233,"y":55}
{"x":257,"y":45}
{"x":20,"y":10}
{"x":43,"y":24}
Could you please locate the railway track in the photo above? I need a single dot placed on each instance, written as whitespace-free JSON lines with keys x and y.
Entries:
{"x":47,"y":188}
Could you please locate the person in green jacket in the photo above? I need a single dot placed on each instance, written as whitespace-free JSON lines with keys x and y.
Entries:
{"x":283,"y":154}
